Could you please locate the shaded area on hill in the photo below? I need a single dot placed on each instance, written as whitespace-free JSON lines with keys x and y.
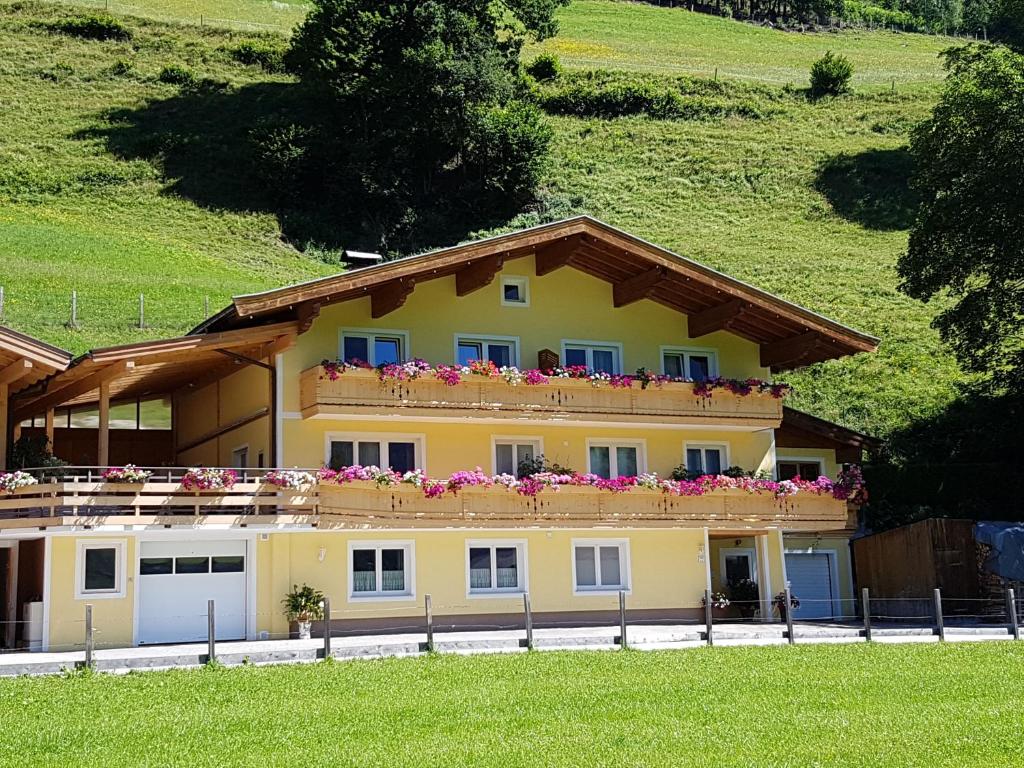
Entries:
{"x":871,"y":188}
{"x":964,"y":461}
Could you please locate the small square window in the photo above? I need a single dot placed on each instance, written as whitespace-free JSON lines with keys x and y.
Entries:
{"x":100,"y":567}
{"x":515,"y":292}
{"x":600,"y":565}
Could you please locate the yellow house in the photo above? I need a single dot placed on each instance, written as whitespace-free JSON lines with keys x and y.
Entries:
{"x":573,"y":383}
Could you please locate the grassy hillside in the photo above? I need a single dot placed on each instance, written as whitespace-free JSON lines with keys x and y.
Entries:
{"x":110,"y":184}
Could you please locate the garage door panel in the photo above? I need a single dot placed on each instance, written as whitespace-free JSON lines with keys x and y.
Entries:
{"x":811,"y":581}
{"x":176,"y":579}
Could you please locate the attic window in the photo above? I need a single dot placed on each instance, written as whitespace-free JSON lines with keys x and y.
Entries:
{"x":515,"y":292}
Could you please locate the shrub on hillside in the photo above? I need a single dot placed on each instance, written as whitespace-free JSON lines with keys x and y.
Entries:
{"x":830,"y":75}
{"x":266,"y":54}
{"x":92,"y":27}
{"x":544,"y":67}
{"x":175,"y":74}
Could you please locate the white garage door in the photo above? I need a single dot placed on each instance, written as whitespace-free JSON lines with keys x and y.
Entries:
{"x":811,"y":582}
{"x":177,"y":578}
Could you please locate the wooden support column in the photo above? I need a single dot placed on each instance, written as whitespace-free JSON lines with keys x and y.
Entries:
{"x":4,"y":427}
{"x":103,"y":447}
{"x":49,"y":428}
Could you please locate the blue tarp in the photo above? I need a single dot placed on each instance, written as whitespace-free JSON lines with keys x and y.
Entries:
{"x":1007,"y":541}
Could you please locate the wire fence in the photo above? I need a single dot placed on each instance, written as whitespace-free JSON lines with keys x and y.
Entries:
{"x":419,"y":626}
{"x":207,"y":14}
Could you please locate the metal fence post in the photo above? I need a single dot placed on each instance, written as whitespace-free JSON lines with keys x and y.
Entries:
{"x":707,"y":616}
{"x":327,"y":627}
{"x":939,"y":623}
{"x":865,"y":601}
{"x":789,"y":616}
{"x":1011,"y":610}
{"x":430,"y":623}
{"x":529,"y":621}
{"x":622,"y":619}
{"x":89,"y":640}
{"x":211,"y":632}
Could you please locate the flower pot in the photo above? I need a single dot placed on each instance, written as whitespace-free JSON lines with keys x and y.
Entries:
{"x":305,"y":630}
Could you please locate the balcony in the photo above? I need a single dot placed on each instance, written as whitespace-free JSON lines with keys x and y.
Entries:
{"x":80,"y":498}
{"x":361,"y":392}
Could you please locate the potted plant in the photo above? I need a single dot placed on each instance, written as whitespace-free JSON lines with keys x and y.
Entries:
{"x":719,"y":603}
{"x":779,"y":601}
{"x":744,"y":594}
{"x":304,"y":605}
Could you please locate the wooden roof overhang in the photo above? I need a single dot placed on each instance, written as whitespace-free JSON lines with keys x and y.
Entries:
{"x":154,"y":368}
{"x":802,"y":430}
{"x":790,"y":336}
{"x":25,"y":361}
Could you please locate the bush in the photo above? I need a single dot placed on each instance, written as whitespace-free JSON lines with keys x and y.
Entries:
{"x":507,"y":149}
{"x":281,"y":158}
{"x":120,"y":68}
{"x":92,"y":27}
{"x":266,"y":54}
{"x":830,"y":75}
{"x":174,"y":74}
{"x":544,"y":67}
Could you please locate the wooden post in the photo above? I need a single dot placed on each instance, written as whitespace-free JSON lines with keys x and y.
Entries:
{"x":211,"y":633}
{"x":789,"y":615}
{"x":1011,"y":610}
{"x":327,"y":628}
{"x":707,"y":616}
{"x":3,"y":426}
{"x":940,"y":625}
{"x":865,"y":601}
{"x":430,"y":624}
{"x":103,"y":449}
{"x":623,"y":643}
{"x":89,"y":640}
{"x":529,"y":621}
{"x":49,"y":429}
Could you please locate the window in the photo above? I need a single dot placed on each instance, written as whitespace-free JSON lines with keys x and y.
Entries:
{"x":696,"y":364}
{"x":599,"y":356}
{"x":496,"y":566}
{"x":374,"y":347}
{"x":615,"y":459}
{"x":706,"y":459}
{"x":805,"y":469}
{"x":600,"y":565}
{"x":402,"y":454}
{"x":240,"y":457}
{"x":515,"y":291}
{"x":500,"y":350}
{"x":156,"y":566}
{"x":100,"y":569}
{"x":510,"y":454}
{"x":380,"y":569}
{"x":737,"y":565}
{"x":192,"y":564}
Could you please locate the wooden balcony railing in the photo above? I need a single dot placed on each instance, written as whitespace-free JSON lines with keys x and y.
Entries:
{"x":361,"y":392}
{"x":86,"y":500}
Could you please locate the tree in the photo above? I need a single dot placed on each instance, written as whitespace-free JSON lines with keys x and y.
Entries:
{"x":969,"y":237}
{"x":422,"y":105}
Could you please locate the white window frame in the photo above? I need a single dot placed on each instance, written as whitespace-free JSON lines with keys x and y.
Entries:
{"x":481,"y":338}
{"x":750,"y":552}
{"x":371,"y":333}
{"x":723,"y":447}
{"x":615,"y":346}
{"x":710,"y":352}
{"x":120,"y":569}
{"x":638,"y":443}
{"x":409,"y":559}
{"x":522,"y":567}
{"x":419,"y":441}
{"x":822,"y":464}
{"x":524,"y":290}
{"x":625,"y":569}
{"x":513,"y":440}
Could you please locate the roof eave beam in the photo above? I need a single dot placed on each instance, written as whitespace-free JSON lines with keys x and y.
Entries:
{"x":791,"y":352}
{"x":16,"y":371}
{"x":73,"y":390}
{"x":555,"y":255}
{"x":390,"y":296}
{"x":478,"y":274}
{"x":637,"y":287}
{"x":718,"y":318}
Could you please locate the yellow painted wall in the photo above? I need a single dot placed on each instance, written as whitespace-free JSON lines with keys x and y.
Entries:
{"x":112,"y":616}
{"x":665,"y":573}
{"x":826,"y":455}
{"x":566,"y":304}
{"x":466,"y":444}
{"x":233,"y":398}
{"x":844,"y":563}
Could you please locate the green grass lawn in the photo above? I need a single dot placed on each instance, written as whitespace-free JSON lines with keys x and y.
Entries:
{"x":952,"y":705}
{"x":809,"y":200}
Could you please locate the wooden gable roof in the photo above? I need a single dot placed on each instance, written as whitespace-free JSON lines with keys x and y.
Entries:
{"x":789,"y":335}
{"x":25,"y":360}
